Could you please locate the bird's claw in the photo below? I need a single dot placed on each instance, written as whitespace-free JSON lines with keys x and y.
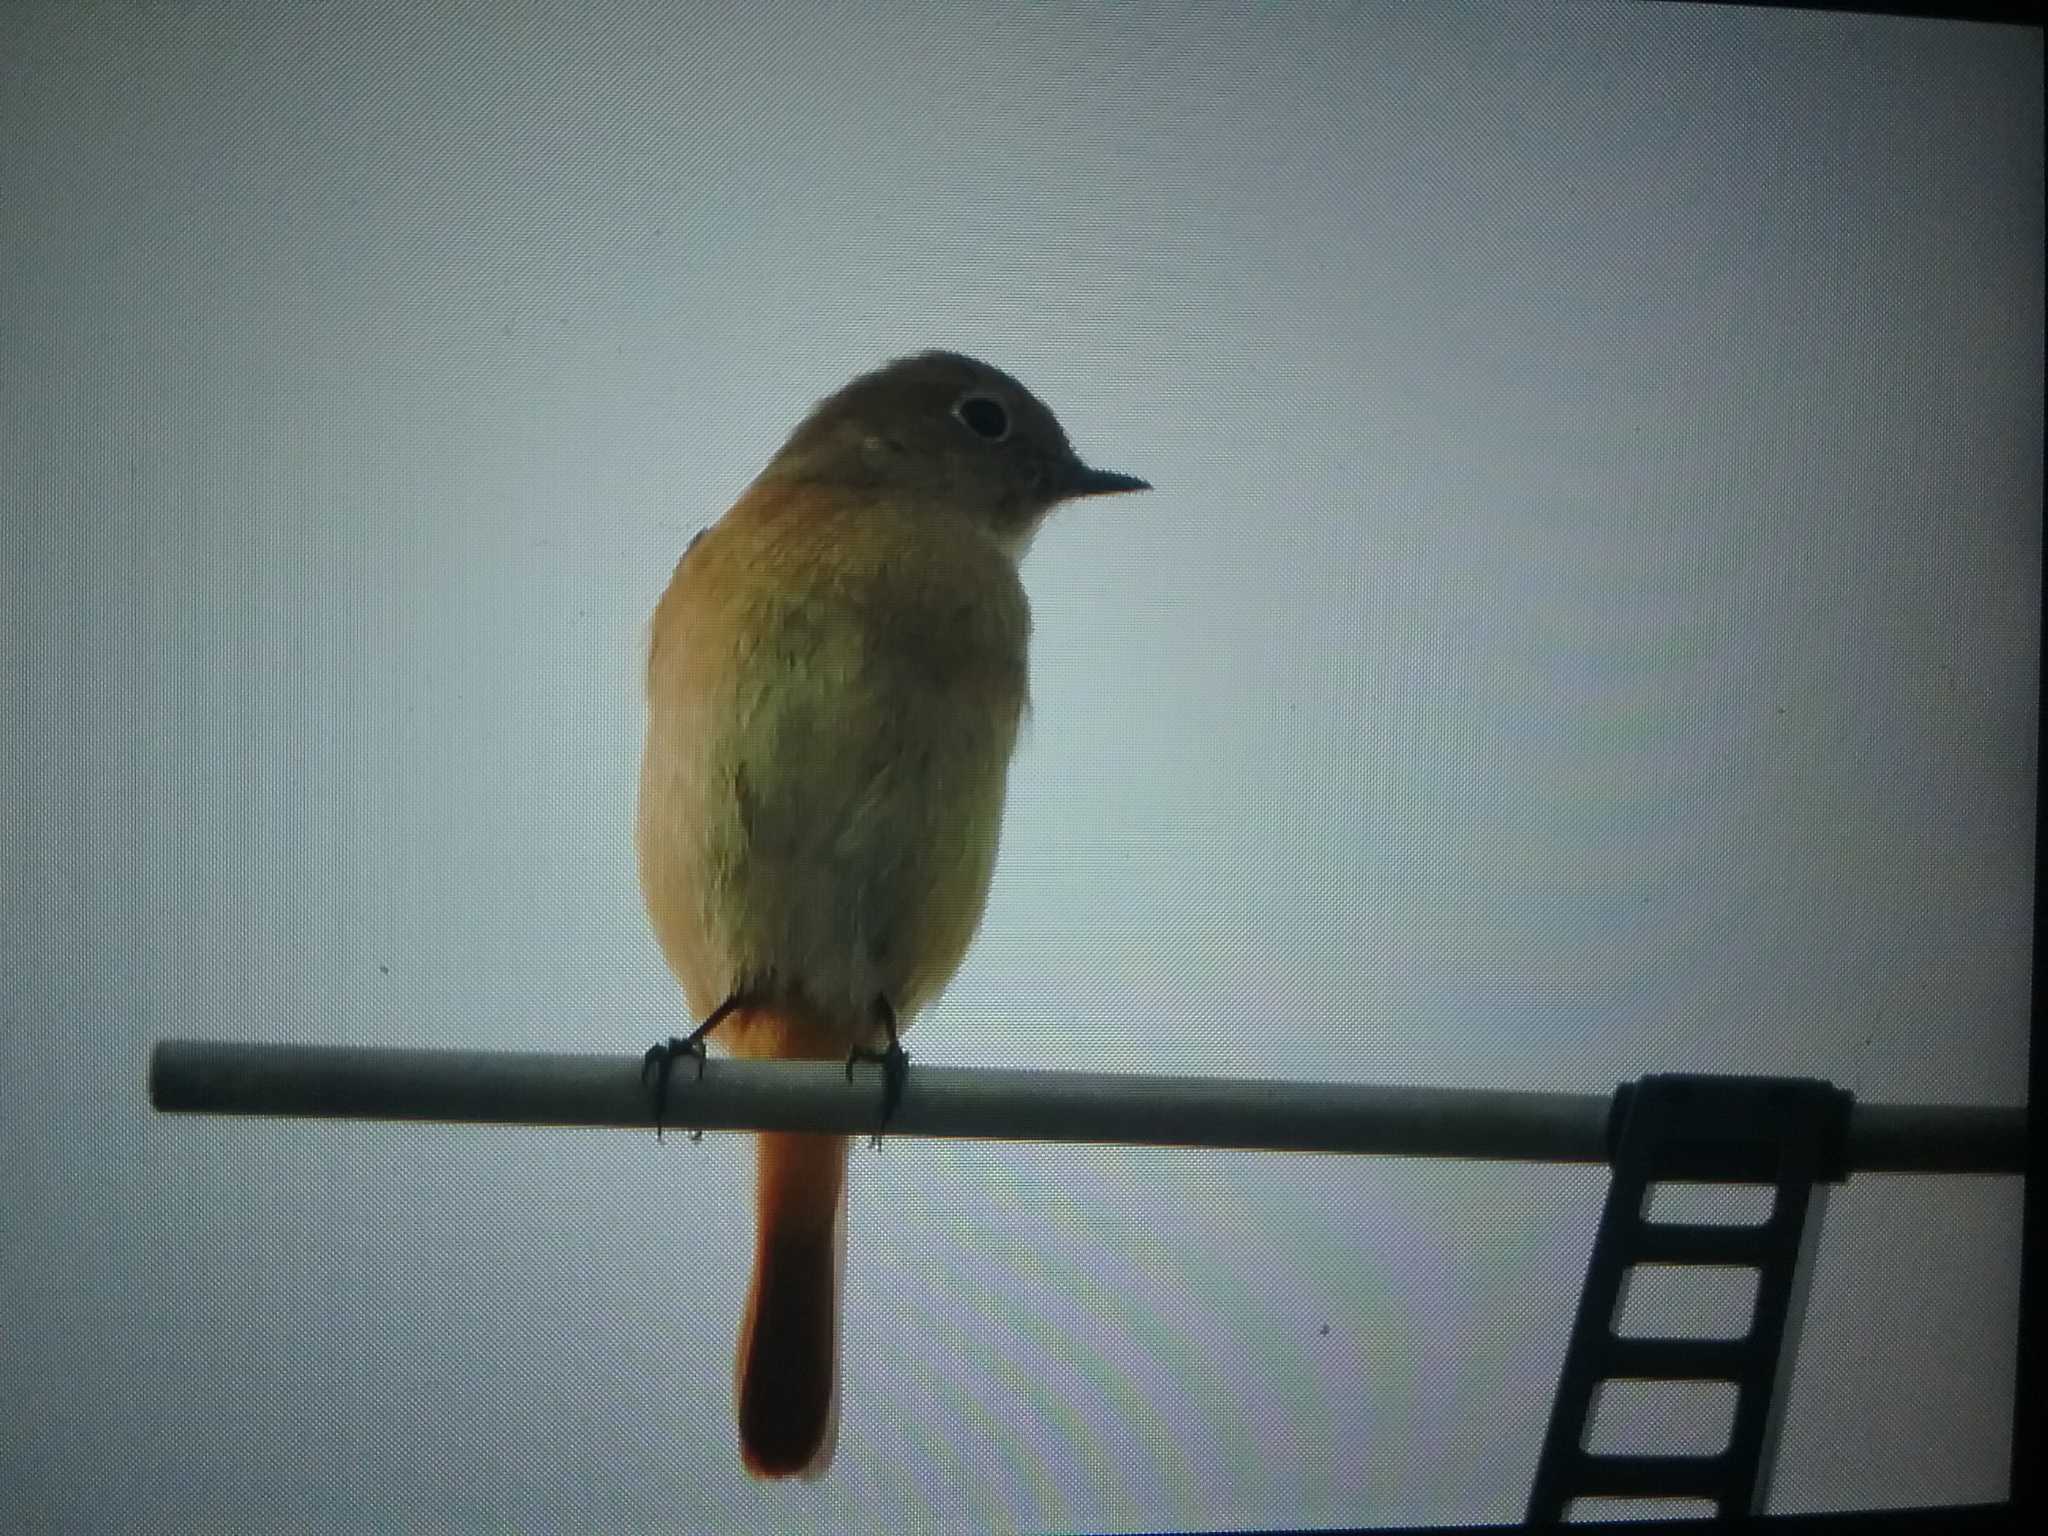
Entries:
{"x":660,"y":1060}
{"x":894,"y":1062}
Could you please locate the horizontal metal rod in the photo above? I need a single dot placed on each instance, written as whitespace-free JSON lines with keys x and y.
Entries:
{"x":543,"y":1088}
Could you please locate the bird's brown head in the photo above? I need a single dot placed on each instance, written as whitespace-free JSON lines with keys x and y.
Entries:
{"x":944,"y":430}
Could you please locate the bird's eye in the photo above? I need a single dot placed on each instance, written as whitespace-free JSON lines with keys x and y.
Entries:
{"x":984,"y":416}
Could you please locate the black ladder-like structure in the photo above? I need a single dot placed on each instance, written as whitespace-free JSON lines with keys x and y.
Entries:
{"x":1786,"y":1133}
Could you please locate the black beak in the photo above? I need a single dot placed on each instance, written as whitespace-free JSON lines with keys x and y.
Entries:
{"x":1083,"y":481}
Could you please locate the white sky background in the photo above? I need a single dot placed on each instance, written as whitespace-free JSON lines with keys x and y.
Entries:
{"x":1587,"y":625}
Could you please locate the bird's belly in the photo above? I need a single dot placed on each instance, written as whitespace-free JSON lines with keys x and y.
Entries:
{"x":824,"y":835}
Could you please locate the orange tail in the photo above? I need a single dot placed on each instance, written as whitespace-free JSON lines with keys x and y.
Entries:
{"x":788,"y":1369}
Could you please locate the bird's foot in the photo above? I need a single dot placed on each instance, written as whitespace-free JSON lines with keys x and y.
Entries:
{"x":660,"y":1061}
{"x":895,"y":1065}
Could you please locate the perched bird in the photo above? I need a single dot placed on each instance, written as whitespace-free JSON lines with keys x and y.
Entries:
{"x":834,"y":686}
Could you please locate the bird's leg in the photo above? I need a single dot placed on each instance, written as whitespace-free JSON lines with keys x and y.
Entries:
{"x":661,"y":1056}
{"x":895,"y":1064}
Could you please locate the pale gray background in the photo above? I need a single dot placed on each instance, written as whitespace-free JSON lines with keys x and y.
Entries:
{"x":1587,"y":625}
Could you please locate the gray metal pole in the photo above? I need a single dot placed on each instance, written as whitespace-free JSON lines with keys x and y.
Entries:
{"x":541,"y":1088}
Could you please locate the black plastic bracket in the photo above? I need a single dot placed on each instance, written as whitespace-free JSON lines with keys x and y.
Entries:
{"x":1786,"y":1133}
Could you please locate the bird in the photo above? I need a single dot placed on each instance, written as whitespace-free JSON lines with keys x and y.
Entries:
{"x":836,"y":675}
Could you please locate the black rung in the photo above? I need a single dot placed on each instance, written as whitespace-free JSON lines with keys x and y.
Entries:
{"x":1649,"y":1477}
{"x":1787,"y":1133}
{"x":1679,"y":1359}
{"x":1672,"y":1243}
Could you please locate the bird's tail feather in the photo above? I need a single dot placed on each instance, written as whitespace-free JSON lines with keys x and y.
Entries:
{"x":788,"y":1368}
